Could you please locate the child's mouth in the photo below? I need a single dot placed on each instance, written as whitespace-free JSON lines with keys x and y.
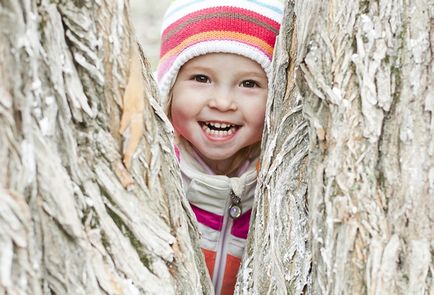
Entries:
{"x":219,"y":129}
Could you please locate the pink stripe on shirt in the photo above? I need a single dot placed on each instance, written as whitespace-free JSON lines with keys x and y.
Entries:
{"x":209,"y":219}
{"x":240,"y":228}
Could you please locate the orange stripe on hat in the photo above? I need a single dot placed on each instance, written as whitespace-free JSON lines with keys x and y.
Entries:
{"x":218,"y":35}
{"x":196,"y":27}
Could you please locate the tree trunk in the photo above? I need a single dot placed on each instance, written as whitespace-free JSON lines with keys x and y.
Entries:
{"x":277,"y":259}
{"x":365,"y":72}
{"x":90,"y":195}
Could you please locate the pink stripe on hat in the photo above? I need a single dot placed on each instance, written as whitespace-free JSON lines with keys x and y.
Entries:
{"x":196,"y":27}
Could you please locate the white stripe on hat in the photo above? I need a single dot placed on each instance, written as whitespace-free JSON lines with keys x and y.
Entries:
{"x":271,"y":8}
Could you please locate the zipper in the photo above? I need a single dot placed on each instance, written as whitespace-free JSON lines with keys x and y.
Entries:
{"x":222,"y":246}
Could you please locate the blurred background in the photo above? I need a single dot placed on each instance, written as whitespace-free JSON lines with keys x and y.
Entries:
{"x":147,"y":16}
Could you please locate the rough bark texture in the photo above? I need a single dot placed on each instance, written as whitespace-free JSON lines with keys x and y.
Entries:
{"x":365,"y":72}
{"x":367,"y":80}
{"x":277,"y":259}
{"x":90,"y":196}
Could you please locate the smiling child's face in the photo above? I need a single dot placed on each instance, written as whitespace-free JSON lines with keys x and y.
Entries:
{"x":218,"y":105}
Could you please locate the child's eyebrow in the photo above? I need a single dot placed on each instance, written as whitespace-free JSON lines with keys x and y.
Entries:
{"x":198,"y":68}
{"x":255,"y":73}
{"x":191,"y":67}
{"x":251,"y":75}
{"x":240,"y":72}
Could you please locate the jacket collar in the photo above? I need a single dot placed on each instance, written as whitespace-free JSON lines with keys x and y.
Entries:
{"x":212,"y":192}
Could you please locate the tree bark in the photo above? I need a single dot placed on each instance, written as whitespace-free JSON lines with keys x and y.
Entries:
{"x":277,"y":258}
{"x":364,"y":70}
{"x":90,"y":193}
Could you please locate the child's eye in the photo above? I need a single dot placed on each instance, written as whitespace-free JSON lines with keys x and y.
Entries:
{"x":249,"y":84}
{"x":201,"y":78}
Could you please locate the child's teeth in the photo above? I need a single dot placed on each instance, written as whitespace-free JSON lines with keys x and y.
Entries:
{"x":219,"y":133}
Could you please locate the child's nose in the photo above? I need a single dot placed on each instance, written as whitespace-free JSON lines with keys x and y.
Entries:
{"x":223,"y":100}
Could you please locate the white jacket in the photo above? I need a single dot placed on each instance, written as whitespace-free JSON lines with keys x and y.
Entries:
{"x":222,"y":238}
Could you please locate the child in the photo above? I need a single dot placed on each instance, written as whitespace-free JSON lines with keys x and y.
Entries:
{"x":213,"y":77}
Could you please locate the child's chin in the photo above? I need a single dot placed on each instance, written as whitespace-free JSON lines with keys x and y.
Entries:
{"x":218,"y":156}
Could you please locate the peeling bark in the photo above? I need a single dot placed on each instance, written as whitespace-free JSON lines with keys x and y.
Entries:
{"x":277,"y":259}
{"x":364,"y":70}
{"x":368,"y":66}
{"x":91,"y":198}
{"x":90,"y":193}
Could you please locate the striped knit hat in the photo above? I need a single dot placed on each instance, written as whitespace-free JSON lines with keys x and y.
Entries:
{"x":196,"y":27}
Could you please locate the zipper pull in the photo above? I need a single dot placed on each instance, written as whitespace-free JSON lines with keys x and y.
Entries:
{"x":235,"y":207}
